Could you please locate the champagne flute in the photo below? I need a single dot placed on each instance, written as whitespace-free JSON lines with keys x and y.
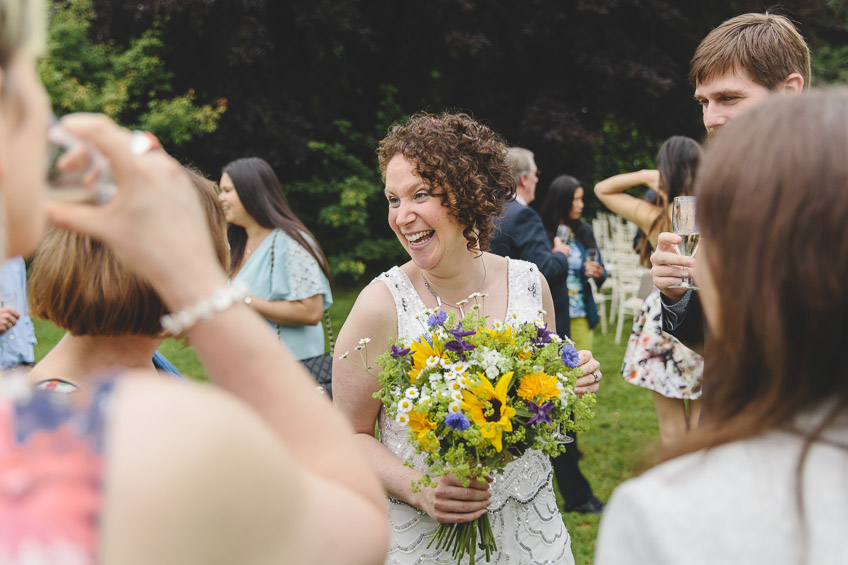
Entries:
{"x":591,"y":256}
{"x":685,"y":224}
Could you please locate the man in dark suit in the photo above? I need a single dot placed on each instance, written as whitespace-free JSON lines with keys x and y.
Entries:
{"x":520,"y":234}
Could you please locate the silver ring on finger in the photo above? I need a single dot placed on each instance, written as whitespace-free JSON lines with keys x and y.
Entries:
{"x":597,"y":378}
{"x":142,"y":142}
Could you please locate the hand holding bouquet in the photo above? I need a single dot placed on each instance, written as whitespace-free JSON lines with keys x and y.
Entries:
{"x":475,"y":397}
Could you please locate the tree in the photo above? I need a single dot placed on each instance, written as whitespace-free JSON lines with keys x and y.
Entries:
{"x":589,"y":85}
{"x":130,"y":84}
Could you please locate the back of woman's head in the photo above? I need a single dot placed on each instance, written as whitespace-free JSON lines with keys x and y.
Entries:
{"x":79,"y":284}
{"x":677,"y":161}
{"x":22,"y":29}
{"x":772,"y":206}
{"x":462,"y":160}
{"x":558,"y":202}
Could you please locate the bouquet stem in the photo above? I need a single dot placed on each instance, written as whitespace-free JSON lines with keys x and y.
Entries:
{"x":462,"y":539}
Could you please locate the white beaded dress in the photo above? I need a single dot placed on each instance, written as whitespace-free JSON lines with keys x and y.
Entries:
{"x":525,"y":519}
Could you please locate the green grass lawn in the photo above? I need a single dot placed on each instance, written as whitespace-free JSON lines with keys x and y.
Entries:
{"x":624,"y":428}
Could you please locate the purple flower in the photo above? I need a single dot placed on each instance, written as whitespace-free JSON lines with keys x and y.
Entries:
{"x":459,"y":346}
{"x":399,"y":351}
{"x":540,"y":413}
{"x":437,"y":319}
{"x":457,"y":421}
{"x":543,"y":335}
{"x":459,"y":333}
{"x":570,"y":356}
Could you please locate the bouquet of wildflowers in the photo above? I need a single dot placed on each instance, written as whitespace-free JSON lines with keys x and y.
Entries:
{"x":475,"y":397}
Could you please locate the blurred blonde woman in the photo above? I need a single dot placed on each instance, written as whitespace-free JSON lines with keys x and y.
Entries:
{"x":140,"y":469}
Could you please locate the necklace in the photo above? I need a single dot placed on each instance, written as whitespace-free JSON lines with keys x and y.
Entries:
{"x":439,"y":300}
{"x":248,"y":251}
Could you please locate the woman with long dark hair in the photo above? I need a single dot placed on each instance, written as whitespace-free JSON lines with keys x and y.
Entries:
{"x":763,"y":478}
{"x":276,"y":256}
{"x":563,"y":207}
{"x":653,"y":359}
{"x":574,"y":306}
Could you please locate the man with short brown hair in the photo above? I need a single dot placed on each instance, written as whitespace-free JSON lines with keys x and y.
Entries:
{"x":737,"y":65}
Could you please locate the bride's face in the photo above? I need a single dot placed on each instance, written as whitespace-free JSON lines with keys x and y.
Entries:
{"x":24,"y":118}
{"x":421,"y":222}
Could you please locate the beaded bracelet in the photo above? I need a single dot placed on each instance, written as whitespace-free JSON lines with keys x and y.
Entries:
{"x":221,"y":300}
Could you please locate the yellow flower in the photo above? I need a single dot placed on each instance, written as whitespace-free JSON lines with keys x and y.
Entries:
{"x":538,"y":387}
{"x":421,"y":351}
{"x":424,"y":430}
{"x":487,"y":406}
{"x":504,"y":336}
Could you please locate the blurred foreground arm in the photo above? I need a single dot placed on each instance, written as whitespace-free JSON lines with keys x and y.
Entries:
{"x":155,"y":224}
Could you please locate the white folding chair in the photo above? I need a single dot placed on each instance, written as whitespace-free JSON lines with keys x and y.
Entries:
{"x":635,"y":287}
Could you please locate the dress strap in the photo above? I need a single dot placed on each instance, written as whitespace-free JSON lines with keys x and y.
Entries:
{"x":407,"y":301}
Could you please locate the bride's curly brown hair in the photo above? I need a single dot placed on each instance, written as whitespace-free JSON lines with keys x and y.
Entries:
{"x":463,"y":160}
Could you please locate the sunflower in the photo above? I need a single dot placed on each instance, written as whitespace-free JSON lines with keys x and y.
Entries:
{"x":488,"y":407}
{"x":424,"y":430}
{"x":538,"y":387}
{"x":422,"y":349}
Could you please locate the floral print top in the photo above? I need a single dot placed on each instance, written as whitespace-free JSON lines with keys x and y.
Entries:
{"x":51,"y":472}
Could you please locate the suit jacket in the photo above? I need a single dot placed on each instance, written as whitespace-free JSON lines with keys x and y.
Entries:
{"x":689,"y":325}
{"x":520,"y":234}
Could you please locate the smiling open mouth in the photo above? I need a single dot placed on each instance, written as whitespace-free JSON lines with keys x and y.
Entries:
{"x":419,"y":238}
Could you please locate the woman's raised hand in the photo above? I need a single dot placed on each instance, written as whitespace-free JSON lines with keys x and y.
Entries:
{"x":154,"y":222}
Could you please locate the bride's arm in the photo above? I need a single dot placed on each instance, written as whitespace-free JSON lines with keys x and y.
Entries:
{"x":373,"y":316}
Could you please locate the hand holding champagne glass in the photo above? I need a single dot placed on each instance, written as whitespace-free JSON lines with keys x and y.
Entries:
{"x":591,"y":266}
{"x":685,"y":224}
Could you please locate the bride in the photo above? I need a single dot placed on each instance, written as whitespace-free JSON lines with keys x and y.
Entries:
{"x":445,"y":178}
